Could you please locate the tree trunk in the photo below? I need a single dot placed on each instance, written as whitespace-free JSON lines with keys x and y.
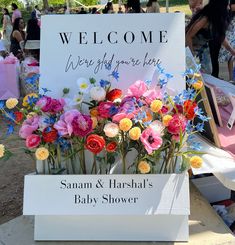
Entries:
{"x":45,"y":4}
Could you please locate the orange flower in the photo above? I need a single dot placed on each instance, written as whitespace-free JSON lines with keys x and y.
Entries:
{"x":189,"y":109}
{"x":94,"y":112}
{"x":148,"y":117}
{"x":198,"y":85}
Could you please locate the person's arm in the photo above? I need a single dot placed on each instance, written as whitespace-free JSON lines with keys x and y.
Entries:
{"x":194,"y":29}
{"x":228,"y":47}
{"x":4,"y":23}
{"x":232,"y":6}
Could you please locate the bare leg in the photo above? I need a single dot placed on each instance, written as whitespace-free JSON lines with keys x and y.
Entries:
{"x":230,"y":69}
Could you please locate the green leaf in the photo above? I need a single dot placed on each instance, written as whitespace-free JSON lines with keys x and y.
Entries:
{"x":92,"y":80}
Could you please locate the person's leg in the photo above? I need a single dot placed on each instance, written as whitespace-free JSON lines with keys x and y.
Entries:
{"x":230,"y":69}
{"x":214,"y":53}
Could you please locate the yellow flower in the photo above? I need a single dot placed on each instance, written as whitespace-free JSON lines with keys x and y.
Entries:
{"x":195,"y":162}
{"x":94,"y":122}
{"x":166,"y":119}
{"x":144,"y":167}
{"x":156,"y":105}
{"x":11,"y":103}
{"x":197,"y":75}
{"x":31,"y":114}
{"x":135,"y":133}
{"x":2,"y":150}
{"x":25,"y":99}
{"x":42,"y":153}
{"x":125,"y":124}
{"x":94,"y":112}
{"x":198,"y":85}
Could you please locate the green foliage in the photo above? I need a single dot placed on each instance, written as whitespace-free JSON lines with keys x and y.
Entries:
{"x":173,"y":2}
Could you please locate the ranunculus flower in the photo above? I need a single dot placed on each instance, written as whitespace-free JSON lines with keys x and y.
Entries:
{"x":189,"y":109}
{"x":177,"y":124}
{"x":97,"y":93}
{"x":114,"y":94}
{"x":49,"y":135}
{"x":111,"y":129}
{"x":125,"y":124}
{"x":29,"y":126}
{"x":156,"y":105}
{"x":151,"y":140}
{"x":111,"y":147}
{"x":48,"y":104}
{"x":94,"y":122}
{"x":137,"y":89}
{"x":135,"y":133}
{"x":82,"y":125}
{"x":42,"y":153}
{"x":166,"y":119}
{"x":64,"y":125}
{"x":18,"y":116}
{"x":95,"y":143}
{"x":195,"y":161}
{"x":104,"y":109}
{"x":11,"y":103}
{"x":198,"y":84}
{"x":144,"y":167}
{"x":32,"y":141}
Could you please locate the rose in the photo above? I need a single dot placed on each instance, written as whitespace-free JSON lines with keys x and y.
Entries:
{"x":151,"y":140}
{"x":111,"y":129}
{"x":111,"y":147}
{"x":49,"y":135}
{"x":104,"y":109}
{"x":11,"y":103}
{"x":177,"y":124}
{"x":97,"y":93}
{"x":189,"y":109}
{"x":32,"y":141}
{"x":144,"y":167}
{"x":29,"y":126}
{"x":42,"y":153}
{"x":114,"y":94}
{"x":82,"y":125}
{"x":137,"y":89}
{"x":95,"y":143}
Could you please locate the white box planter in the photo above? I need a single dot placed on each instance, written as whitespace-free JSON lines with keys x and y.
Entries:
{"x":108,"y":207}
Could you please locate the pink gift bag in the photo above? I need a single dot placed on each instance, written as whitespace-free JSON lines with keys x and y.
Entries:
{"x":9,"y":81}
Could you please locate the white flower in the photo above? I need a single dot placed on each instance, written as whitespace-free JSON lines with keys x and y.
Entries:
{"x":157,"y":126}
{"x":111,"y":129}
{"x":72,"y":103}
{"x":97,"y":93}
{"x":83,"y":85}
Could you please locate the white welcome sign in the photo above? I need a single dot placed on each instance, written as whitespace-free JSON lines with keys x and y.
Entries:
{"x":74,"y":46}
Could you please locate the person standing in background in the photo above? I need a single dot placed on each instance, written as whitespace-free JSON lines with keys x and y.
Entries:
{"x":7,"y":28}
{"x":195,"y":5}
{"x":153,"y":7}
{"x":16,"y":13}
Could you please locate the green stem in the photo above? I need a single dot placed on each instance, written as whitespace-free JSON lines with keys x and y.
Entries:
{"x":123,"y":154}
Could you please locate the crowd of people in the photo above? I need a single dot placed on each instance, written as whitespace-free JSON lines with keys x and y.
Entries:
{"x":209,"y":34}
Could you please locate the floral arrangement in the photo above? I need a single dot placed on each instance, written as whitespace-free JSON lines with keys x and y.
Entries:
{"x":96,"y":136}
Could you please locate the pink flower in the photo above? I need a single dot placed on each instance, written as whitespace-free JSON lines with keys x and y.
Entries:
{"x":47,"y":104}
{"x":151,"y":140}
{"x":64,"y":125}
{"x":152,"y":94}
{"x":137,"y":89}
{"x":32,"y":141}
{"x":119,"y":116}
{"x":29,"y":126}
{"x":175,"y":137}
{"x":82,"y":125}
{"x":177,"y":124}
{"x":104,"y":109}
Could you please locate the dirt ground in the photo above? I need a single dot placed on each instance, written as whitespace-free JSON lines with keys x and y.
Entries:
{"x":12,"y":174}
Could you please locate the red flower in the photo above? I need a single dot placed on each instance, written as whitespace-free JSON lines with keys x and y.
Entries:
{"x":111,"y":147}
{"x":19,"y":116}
{"x":189,"y":109}
{"x":95,"y":143}
{"x":104,"y":109}
{"x":49,"y":135}
{"x":114,"y":94}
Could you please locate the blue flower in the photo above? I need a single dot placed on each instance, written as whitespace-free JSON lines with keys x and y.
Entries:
{"x":10,"y":129}
{"x":189,"y":128}
{"x":195,"y":146}
{"x":2,"y":104}
{"x":33,"y":79}
{"x":148,"y":82}
{"x":113,"y":110}
{"x":204,"y":118}
{"x":162,"y":82}
{"x":65,"y":145}
{"x":45,"y":90}
{"x":50,"y":120}
{"x":188,"y":72}
{"x":160,"y":69}
{"x":10,"y":116}
{"x":115,"y":75}
{"x":31,"y":100}
{"x":48,"y":129}
{"x":108,"y":66}
{"x":178,"y":100}
{"x":189,"y":94}
{"x":200,"y":127}
{"x":104,"y":83}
